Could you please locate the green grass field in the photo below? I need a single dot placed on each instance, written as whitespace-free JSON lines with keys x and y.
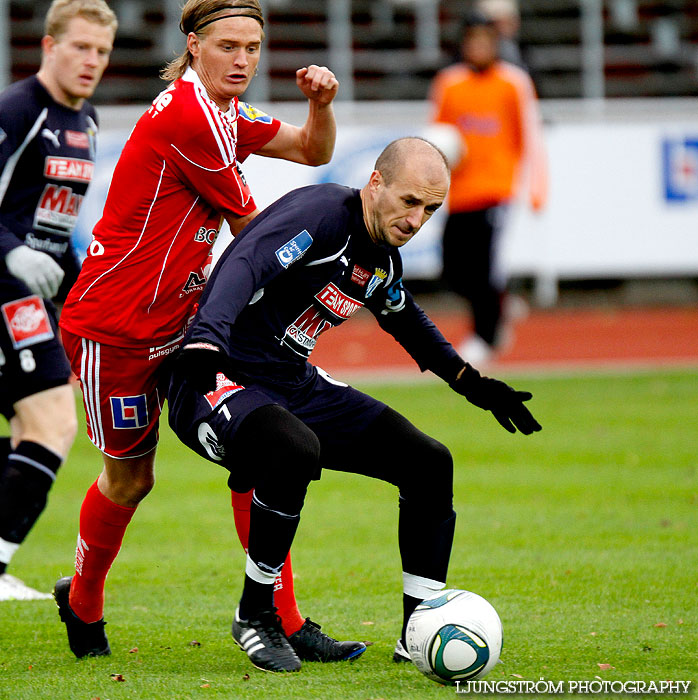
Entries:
{"x":584,"y":537}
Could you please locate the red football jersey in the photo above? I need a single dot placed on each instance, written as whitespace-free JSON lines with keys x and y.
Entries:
{"x":177,"y":175}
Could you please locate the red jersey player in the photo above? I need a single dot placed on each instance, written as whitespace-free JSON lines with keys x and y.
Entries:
{"x":176,"y":180}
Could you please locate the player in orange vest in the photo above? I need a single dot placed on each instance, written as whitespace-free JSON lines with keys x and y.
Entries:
{"x":493,"y":105}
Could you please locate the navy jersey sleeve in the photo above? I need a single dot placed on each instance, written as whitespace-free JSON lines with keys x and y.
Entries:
{"x":47,"y":155}
{"x":14,"y":127}
{"x":292,"y":231}
{"x":399,"y":315}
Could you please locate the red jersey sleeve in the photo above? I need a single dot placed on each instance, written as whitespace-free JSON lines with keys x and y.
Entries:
{"x":203,"y":151}
{"x":255,"y":130}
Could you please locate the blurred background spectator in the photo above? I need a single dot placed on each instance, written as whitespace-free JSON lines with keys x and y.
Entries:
{"x":507,"y":19}
{"x":493,"y":106}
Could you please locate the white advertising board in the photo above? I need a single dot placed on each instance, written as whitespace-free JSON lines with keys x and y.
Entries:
{"x":623,"y":195}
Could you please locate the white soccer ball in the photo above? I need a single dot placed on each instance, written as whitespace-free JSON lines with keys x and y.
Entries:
{"x":454,"y":636}
{"x":448,"y":139}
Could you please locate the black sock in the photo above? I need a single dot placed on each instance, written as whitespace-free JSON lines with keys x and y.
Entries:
{"x":24,"y":485}
{"x":271,"y":535}
{"x":409,"y":604}
{"x":256,"y":597}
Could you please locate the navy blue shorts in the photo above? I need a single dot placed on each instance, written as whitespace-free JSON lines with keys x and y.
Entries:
{"x":32,"y":358}
{"x":334,"y":411}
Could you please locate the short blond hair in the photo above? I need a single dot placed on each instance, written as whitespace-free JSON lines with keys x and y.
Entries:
{"x":62,"y":11}
{"x":197,"y":16}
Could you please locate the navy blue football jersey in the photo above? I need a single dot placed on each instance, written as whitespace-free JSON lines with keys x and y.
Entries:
{"x":47,"y":156}
{"x":304,"y":265}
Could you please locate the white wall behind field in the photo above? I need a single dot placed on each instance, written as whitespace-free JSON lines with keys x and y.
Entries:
{"x":623,"y":189}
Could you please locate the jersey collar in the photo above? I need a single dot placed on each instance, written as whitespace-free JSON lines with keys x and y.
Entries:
{"x":191,"y":76}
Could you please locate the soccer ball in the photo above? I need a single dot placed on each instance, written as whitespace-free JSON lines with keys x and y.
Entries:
{"x":454,"y":636}
{"x":447,"y":138}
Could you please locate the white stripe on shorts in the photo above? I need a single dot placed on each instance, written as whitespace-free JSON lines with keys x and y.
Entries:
{"x":89,"y":376}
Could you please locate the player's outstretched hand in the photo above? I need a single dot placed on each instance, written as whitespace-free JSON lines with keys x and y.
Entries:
{"x":39,"y":271}
{"x":317,"y":83}
{"x":198,"y":364}
{"x":506,"y":404}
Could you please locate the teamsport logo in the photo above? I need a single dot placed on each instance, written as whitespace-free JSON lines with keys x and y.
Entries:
{"x":74,"y":169}
{"x":337,"y":302}
{"x":294,"y":249}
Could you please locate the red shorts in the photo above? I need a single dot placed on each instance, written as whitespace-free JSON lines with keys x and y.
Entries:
{"x":122,"y":392}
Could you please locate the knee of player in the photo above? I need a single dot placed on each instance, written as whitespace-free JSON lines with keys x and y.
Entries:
{"x":436,"y":461}
{"x":441,"y":465}
{"x":60,"y":435}
{"x":135,"y":490}
{"x":431,"y":481}
{"x":69,"y":430}
{"x":55,"y":429}
{"x":284,"y":439}
{"x":128,"y":490}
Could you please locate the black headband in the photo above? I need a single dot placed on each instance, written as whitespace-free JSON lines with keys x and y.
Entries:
{"x":231,"y":7}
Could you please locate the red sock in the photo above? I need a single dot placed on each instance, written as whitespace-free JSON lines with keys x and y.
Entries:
{"x":284,"y":596}
{"x":102,"y":527}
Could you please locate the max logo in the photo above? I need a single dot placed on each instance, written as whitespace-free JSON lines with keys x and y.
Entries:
{"x":57,"y":210}
{"x":294,"y":249}
{"x":129,"y":411}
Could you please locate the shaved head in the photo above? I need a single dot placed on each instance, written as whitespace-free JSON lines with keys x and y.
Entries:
{"x":409,"y":183}
{"x":408,"y":152}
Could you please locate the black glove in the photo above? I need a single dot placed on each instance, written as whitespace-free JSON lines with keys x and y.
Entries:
{"x":198,"y":363}
{"x":494,"y":395}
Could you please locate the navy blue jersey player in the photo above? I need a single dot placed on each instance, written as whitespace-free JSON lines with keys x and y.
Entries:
{"x":243,"y":393}
{"x":47,"y":158}
{"x":47,"y":150}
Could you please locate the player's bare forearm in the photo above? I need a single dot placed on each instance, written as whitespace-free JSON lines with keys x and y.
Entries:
{"x":312,"y":143}
{"x":318,"y":135}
